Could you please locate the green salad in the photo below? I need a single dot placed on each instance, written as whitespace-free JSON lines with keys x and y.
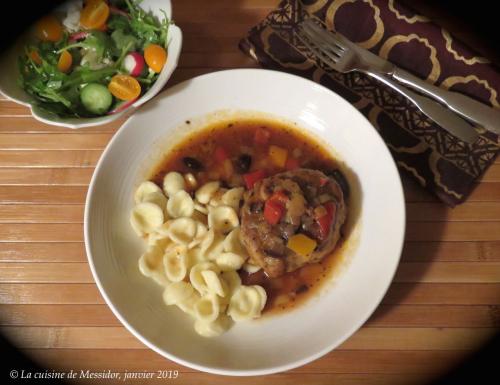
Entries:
{"x":96,"y":58}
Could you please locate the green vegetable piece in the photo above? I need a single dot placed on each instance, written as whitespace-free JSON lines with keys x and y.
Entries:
{"x":96,"y":98}
{"x":123,"y":40}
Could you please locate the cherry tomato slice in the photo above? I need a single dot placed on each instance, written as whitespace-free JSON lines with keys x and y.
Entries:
{"x":155,"y":57}
{"x":94,"y":15}
{"x":124,"y":87}
{"x":65,"y":61}
{"x":48,"y":28}
{"x":35,"y":56}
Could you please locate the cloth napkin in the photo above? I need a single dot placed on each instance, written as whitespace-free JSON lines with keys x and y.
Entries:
{"x":439,"y":161}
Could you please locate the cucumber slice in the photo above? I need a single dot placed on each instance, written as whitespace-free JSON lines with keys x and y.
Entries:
{"x":96,"y":98}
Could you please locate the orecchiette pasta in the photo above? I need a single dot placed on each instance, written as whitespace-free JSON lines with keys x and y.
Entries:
{"x":172,"y":183}
{"x":212,"y":329}
{"x":229,"y":261}
{"x":196,"y":278}
{"x":205,"y":192}
{"x":146,"y":217}
{"x":182,"y":230}
{"x":145,"y":188}
{"x":247,"y":303}
{"x":207,"y":308}
{"x":190,"y":254}
{"x":251,"y":268}
{"x":175,"y":263}
{"x":214,"y":283}
{"x":233,"y":197}
{"x":177,"y":292}
{"x":151,"y":265}
{"x":180,"y":205}
{"x":222,"y":219}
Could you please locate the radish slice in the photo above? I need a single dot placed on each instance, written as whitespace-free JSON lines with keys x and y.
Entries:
{"x":117,"y":11}
{"x":78,"y":36}
{"x":122,"y":106}
{"x":134,"y":63}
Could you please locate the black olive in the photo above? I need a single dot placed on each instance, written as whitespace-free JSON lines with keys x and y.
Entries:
{"x":342,"y":181}
{"x":256,"y":207}
{"x":192,"y":163}
{"x":243,"y":163}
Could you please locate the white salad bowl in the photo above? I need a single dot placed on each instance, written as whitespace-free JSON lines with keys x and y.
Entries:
{"x":10,"y":73}
{"x":273,"y":343}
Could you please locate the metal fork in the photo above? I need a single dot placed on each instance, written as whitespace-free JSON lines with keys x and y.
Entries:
{"x":340,"y":54}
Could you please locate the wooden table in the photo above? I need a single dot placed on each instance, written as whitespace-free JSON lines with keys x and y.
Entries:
{"x":443,"y":303}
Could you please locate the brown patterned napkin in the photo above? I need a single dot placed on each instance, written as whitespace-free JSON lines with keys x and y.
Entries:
{"x":439,"y":161}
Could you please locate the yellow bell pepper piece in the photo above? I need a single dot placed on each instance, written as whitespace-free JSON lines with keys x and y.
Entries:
{"x":278,"y":155}
{"x":301,"y":244}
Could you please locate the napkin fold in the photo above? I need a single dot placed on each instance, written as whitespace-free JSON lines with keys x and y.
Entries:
{"x":440,"y":162}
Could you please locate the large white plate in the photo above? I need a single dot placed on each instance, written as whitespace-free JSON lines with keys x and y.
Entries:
{"x":274,"y":343}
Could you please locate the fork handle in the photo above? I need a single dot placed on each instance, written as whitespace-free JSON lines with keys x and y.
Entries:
{"x":479,"y":113}
{"x":435,"y":111}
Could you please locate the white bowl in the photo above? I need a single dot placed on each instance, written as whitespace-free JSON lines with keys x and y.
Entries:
{"x":10,"y":74}
{"x":273,"y":343}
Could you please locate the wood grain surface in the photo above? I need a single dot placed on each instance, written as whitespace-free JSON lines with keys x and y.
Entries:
{"x":444,"y":302}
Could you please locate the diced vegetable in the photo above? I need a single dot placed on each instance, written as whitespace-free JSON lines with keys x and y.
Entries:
{"x":65,"y":61}
{"x":96,"y":98}
{"x":261,"y":136}
{"x":134,"y":63}
{"x":278,"y":155}
{"x":273,"y":211}
{"x":35,"y":56}
{"x":124,"y":87}
{"x":323,"y":181}
{"x":228,"y":168}
{"x":220,"y":154}
{"x":94,"y":14}
{"x":48,"y":28}
{"x":325,"y":221}
{"x":243,"y":163}
{"x":292,"y":164}
{"x":192,"y":163}
{"x":253,"y":177}
{"x":77,"y":36}
{"x":122,"y":105}
{"x":155,"y":56}
{"x":301,"y":244}
{"x":280,"y":197}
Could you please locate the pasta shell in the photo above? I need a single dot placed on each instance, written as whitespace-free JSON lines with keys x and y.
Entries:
{"x":247,"y":303}
{"x":160,"y":240}
{"x":177,"y":292}
{"x":213,"y":329}
{"x":196,"y":278}
{"x":157,"y":198}
{"x":187,"y":305}
{"x":233,"y":197}
{"x":212,"y":245}
{"x":145,"y":188}
{"x":180,"y":205}
{"x":207,"y":308}
{"x":172,"y":183}
{"x":190,"y":181}
{"x":216,"y":199}
{"x":214,"y":283}
{"x":175,"y":264}
{"x":232,"y":280}
{"x":229,"y":261}
{"x":233,"y":244}
{"x":151,"y":265}
{"x":146,"y":217}
{"x":182,"y":230}
{"x":205,"y":192}
{"x":201,"y":232}
{"x":251,"y":268}
{"x":201,"y":208}
{"x":222,"y":219}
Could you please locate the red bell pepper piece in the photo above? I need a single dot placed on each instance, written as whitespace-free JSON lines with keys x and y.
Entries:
{"x":325,"y":221}
{"x":273,"y":211}
{"x":253,"y":177}
{"x":292,"y":164}
{"x":221,"y":154}
{"x":261,"y":136}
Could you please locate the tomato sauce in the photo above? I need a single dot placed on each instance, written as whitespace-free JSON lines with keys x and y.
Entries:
{"x":216,"y":153}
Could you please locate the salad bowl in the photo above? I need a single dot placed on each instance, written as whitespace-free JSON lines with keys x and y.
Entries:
{"x":9,"y":85}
